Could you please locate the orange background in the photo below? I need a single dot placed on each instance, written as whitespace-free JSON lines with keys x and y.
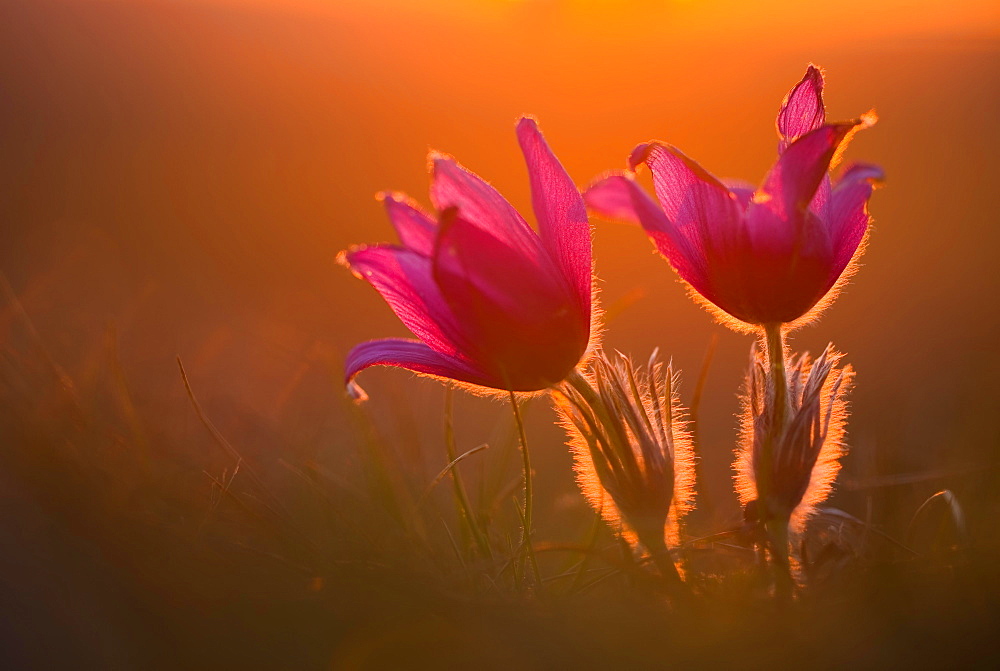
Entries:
{"x":188,"y":170}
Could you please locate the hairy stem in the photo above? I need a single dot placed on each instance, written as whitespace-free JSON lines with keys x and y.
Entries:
{"x":775,"y":521}
{"x":775,"y":341}
{"x":777,"y":533}
{"x":661,"y":556}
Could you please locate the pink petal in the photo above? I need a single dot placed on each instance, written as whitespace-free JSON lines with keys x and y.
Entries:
{"x":700,"y":207}
{"x":482,"y":206}
{"x":404,"y":279}
{"x":619,"y":197}
{"x":526,"y":325}
{"x":794,"y":179}
{"x":848,"y":216}
{"x":820,"y":203}
{"x":778,"y":276}
{"x":611,"y":197}
{"x":411,"y":355}
{"x":470,"y":264}
{"x":802,"y":109}
{"x":415,"y":228}
{"x":559,"y":209}
{"x":742,"y":189}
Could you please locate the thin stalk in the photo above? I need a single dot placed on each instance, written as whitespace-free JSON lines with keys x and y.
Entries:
{"x":777,"y":532}
{"x":665,"y":565}
{"x":526,"y":512}
{"x":704,"y":500}
{"x":775,"y":341}
{"x":775,"y":522}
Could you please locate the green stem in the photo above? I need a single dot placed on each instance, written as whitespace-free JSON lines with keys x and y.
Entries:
{"x":526,"y":463}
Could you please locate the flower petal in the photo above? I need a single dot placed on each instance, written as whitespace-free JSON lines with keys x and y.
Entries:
{"x":416,"y":229}
{"x":482,"y":206}
{"x":411,"y":355}
{"x":820,"y":203}
{"x":689,"y":194}
{"x":404,"y":279}
{"x":700,"y":207}
{"x":611,"y":196}
{"x":560,"y":211}
{"x":526,"y":325}
{"x":785,"y":269}
{"x":470,"y":257}
{"x":742,"y":189}
{"x":795,"y":177}
{"x":789,"y":228}
{"x":802,"y":109}
{"x":618,"y":197}
{"x":849,"y":218}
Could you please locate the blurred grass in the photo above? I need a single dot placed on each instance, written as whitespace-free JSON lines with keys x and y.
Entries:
{"x":130,"y":544}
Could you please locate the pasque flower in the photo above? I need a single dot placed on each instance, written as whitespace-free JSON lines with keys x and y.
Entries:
{"x":763,"y":256}
{"x":806,"y":447}
{"x":633,"y":453}
{"x":492,"y":302}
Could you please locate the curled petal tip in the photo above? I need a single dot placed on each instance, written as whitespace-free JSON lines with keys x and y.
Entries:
{"x":611,"y":196}
{"x":640,"y":154}
{"x":356,"y":393}
{"x":868,"y":172}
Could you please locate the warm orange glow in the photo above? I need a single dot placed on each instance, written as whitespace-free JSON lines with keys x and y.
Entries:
{"x":177,"y":178}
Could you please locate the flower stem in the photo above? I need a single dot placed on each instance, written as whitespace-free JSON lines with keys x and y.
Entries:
{"x":526,"y":463}
{"x":775,"y":521}
{"x":775,"y":341}
{"x":677,"y":588}
{"x":777,"y":533}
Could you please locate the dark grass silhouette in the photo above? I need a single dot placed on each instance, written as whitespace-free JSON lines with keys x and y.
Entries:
{"x":126,"y":548}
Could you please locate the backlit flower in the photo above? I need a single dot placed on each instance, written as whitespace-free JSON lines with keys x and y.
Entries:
{"x":805,"y":448}
{"x":493,"y":303}
{"x":633,"y":452}
{"x":763,"y":256}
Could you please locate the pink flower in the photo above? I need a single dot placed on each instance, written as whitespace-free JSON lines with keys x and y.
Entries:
{"x":763,"y":256}
{"x":493,"y":303}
